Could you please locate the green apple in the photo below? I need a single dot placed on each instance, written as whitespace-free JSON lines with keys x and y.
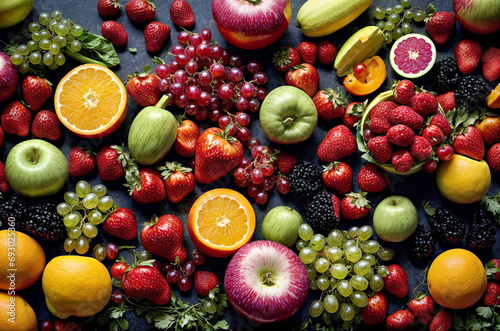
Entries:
{"x":395,"y":218}
{"x":36,"y":168}
{"x":14,"y":11}
{"x":281,"y":224}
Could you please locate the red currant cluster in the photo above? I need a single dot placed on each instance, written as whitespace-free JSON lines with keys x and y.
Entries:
{"x":174,"y":272}
{"x":206,"y":80}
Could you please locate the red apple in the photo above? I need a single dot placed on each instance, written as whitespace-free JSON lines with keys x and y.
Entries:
{"x":266,"y":282}
{"x":9,"y":77}
{"x":478,"y":16}
{"x":252,"y":24}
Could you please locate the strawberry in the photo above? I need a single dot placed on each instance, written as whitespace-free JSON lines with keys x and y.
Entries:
{"x":396,"y":282}
{"x":403,"y":91}
{"x":442,"y":321}
{"x":36,"y":91}
{"x":326,"y":52}
{"x":204,"y":282}
{"x":217,"y":153}
{"x":376,"y":309}
{"x":187,"y":133}
{"x":491,"y":296}
{"x":339,"y":142}
{"x":355,"y":206}
{"x":108,"y":7}
{"x":371,"y":179}
{"x":140,"y":11}
{"x":4,"y":184}
{"x":400,"y":320}
{"x":111,"y":162}
{"x":181,"y":13}
{"x":353,"y":113}
{"x":1,"y":136}
{"x":491,"y":63}
{"x":46,"y":125}
{"x":379,"y":116}
{"x":16,"y":119}
{"x":440,"y":26}
{"x":179,"y":181}
{"x":421,"y":148}
{"x":146,"y":187}
{"x":163,"y":236}
{"x":143,"y":88}
{"x":425,"y":104}
{"x":493,"y":265}
{"x":468,"y":53}
{"x":380,"y":149}
{"x":305,"y":77}
{"x":493,"y":157}
{"x":402,"y":160}
{"x":115,"y":32}
{"x":285,"y":162}
{"x":336,"y":206}
{"x":441,"y":121}
{"x":338,"y":176}
{"x":146,"y":282}
{"x":422,"y":307}
{"x":81,"y":161}
{"x":330,"y":104}
{"x":286,"y":58}
{"x":121,"y":224}
{"x":447,"y":101}
{"x":155,"y":35}
{"x":407,"y":116}
{"x":308,"y":51}
{"x":400,"y":135}
{"x":470,"y":143}
{"x":434,"y":134}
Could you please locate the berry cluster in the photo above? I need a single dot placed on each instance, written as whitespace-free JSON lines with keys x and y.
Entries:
{"x":174,"y":272}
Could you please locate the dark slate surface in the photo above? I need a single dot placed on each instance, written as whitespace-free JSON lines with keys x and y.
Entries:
{"x":416,"y":187}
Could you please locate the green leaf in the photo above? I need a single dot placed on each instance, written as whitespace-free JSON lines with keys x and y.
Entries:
{"x":164,"y":322}
{"x":158,"y":60}
{"x":485,"y":312}
{"x":221,"y":325}
{"x":361,"y":141}
{"x":428,"y":208}
{"x":98,"y":48}
{"x":123,"y":323}
{"x":132,"y":50}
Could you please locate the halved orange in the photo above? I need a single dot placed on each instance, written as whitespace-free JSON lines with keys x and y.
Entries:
{"x":493,"y":100}
{"x":220,"y":222}
{"x":91,"y":101}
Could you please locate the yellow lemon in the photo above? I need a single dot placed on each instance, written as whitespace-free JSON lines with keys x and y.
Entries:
{"x":463,"y":180}
{"x":16,"y":314}
{"x":75,"y":285}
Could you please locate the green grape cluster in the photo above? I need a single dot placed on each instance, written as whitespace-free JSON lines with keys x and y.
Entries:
{"x":345,"y":267}
{"x":82,"y":211}
{"x":396,"y":21}
{"x":49,"y":36}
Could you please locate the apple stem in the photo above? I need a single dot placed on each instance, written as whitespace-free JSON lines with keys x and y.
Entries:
{"x":288,"y":121}
{"x":34,"y":159}
{"x":255,"y":2}
{"x":268,"y":279}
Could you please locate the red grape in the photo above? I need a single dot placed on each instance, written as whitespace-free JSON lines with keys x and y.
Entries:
{"x":177,"y":49}
{"x":190,"y":51}
{"x":195,"y":39}
{"x":253,"y":190}
{"x":261,"y":93}
{"x":256,"y":176}
{"x":243,"y":183}
{"x":226,"y":104}
{"x":166,"y":267}
{"x":199,"y":258}
{"x":181,"y":100}
{"x":206,"y":34}
{"x":224,"y":121}
{"x":243,"y":134}
{"x":268,"y":170}
{"x":283,"y":185}
{"x":235,"y":74}
{"x":193,"y":92}
{"x":157,"y":265}
{"x":180,"y":76}
{"x":261,"y":197}
{"x":214,"y":115}
{"x":174,"y":66}
{"x":217,"y":82}
{"x":253,"y":104}
{"x":162,"y":71}
{"x":232,"y":130}
{"x":176,"y":88}
{"x":208,"y":62}
{"x":191,"y":162}
{"x":253,"y":67}
{"x":258,"y":150}
{"x":201,"y":115}
{"x":260,"y":78}
{"x":430,"y":166}
{"x":173,"y":276}
{"x":183,"y":37}
{"x":240,"y":173}
{"x":267,"y":185}
{"x":445,"y":152}
{"x":171,"y":98}
{"x":117,"y":297}
{"x":253,"y":142}
{"x":247,"y":90}
{"x":188,"y":268}
{"x":182,"y":59}
{"x":368,"y":134}
{"x":217,"y":69}
{"x":203,"y":51}
{"x":205,"y":77}
{"x":242,"y":119}
{"x":192,"y":108}
{"x":204,"y":99}
{"x":184,"y":284}
{"x":359,"y":69}
{"x":225,"y":57}
{"x":118,"y":269}
{"x":225,"y":74}
{"x":111,"y":251}
{"x":225,"y":92}
{"x":216,"y":52}
{"x":241,"y":103}
{"x":191,"y":67}
{"x":47,"y":326}
{"x":164,"y":85}
{"x":235,"y":61}
{"x":214,"y":102}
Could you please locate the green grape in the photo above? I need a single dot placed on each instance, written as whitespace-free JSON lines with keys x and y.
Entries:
{"x":334,"y":238}
{"x":388,"y":37}
{"x":24,"y":67}
{"x":330,"y":303}
{"x":33,"y":27}
{"x":63,"y":208}
{"x":95,"y":217}
{"x":48,"y":59}
{"x":300,"y":244}
{"x":313,"y":284}
{"x":76,"y":46}
{"x":377,"y":283}
{"x":326,"y":318}
{"x":305,"y":232}
{"x":307,"y":255}
{"x":321,"y":265}
{"x":365,"y":232}
{"x":59,"y":59}
{"x":76,"y":30}
{"x":347,"y":312}
{"x":116,"y":282}
{"x":100,"y":253}
{"x":346,"y":236}
{"x":144,"y":256}
{"x":56,"y":15}
{"x":36,"y":36}
{"x":418,"y":16}
{"x":105,"y":203}
{"x":324,"y":250}
{"x":45,"y":34}
{"x":353,"y":231}
{"x":32,"y":45}
{"x":371,"y":246}
{"x":389,"y":26}
{"x":359,"y":298}
{"x":408,"y":15}
{"x":398,"y":9}
{"x":382,"y":271}
{"x":99,"y":190}
{"x":318,"y":242}
{"x":388,"y":11}
{"x":359,"y":282}
{"x":69,"y":245}
{"x":74,"y":232}
{"x":381,"y":25}
{"x":54,"y":49}
{"x":323,"y":283}
{"x":333,"y":282}
{"x":60,"y":41}
{"x":379,"y":13}
{"x":405,"y":3}
{"x":316,"y":308}
{"x":406,"y":28}
{"x":361,"y":267}
{"x":209,"y":307}
{"x":44,"y":44}
{"x":349,"y":243}
{"x":394,"y":18}
{"x":91,"y":200}
{"x":334,"y":253}
{"x":53,"y":66}
{"x":82,"y":245}
{"x":370,"y":258}
{"x":386,"y":253}
{"x":397,"y":33}
{"x":71,"y":219}
{"x":311,"y":272}
{"x":82,"y":188}
{"x":344,"y":288}
{"x":353,"y":253}
{"x":44,"y":19}
{"x":62,"y":29}
{"x":370,"y":273}
{"x":53,"y":24}
{"x":90,"y":230}
{"x":339,"y":271}
{"x":16,"y":59}
{"x":23,"y":49}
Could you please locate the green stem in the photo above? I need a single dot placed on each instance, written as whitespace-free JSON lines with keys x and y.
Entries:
{"x":163,"y":102}
{"x":288,"y":121}
{"x":82,"y":58}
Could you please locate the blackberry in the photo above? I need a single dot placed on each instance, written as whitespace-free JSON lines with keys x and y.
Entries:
{"x":471,"y":92}
{"x":13,"y":207}
{"x":421,"y":244}
{"x":446,"y":75}
{"x":482,"y":232}
{"x":447,"y":226}
{"x":320,"y":213}
{"x":305,"y":180}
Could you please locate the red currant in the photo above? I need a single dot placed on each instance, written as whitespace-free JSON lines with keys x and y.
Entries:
{"x":445,"y":152}
{"x":111,"y":251}
{"x":430,"y":166}
{"x":118,"y":269}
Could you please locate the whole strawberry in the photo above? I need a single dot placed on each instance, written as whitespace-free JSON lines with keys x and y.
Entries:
{"x":140,"y":11}
{"x":143,"y":88}
{"x":402,"y":160}
{"x":353,"y":113}
{"x":330,"y":104}
{"x":441,"y":121}
{"x":376,"y":309}
{"x":400,"y":135}
{"x":470,"y":143}
{"x":336,"y":206}
{"x":425,"y":104}
{"x":204,"y":282}
{"x":46,"y":125}
{"x":403,"y":91}
{"x":16,"y":119}
{"x":491,"y":296}
{"x":371,"y":179}
{"x":147,"y":187}
{"x":121,"y":224}
{"x":422,"y":307}
{"x":407,"y":116}
{"x":326,"y":52}
{"x":286,"y":58}
{"x":163,"y":236}
{"x":146,"y":282}
{"x":379,"y":117}
{"x":187,"y":134}
{"x":111,"y":162}
{"x":493,"y":157}
{"x":179,"y":181}
{"x":81,"y":161}
{"x":400,"y":320}
{"x":36,"y":91}
{"x":442,"y":321}
{"x":115,"y":32}
{"x":303,"y":76}
{"x":181,"y":13}
{"x":4,"y":184}
{"x":396,"y":282}
{"x":308,"y":51}
{"x":339,"y":142}
{"x":491,"y":63}
{"x":493,"y":268}
{"x":380,"y":149}
{"x":108,"y":7}
{"x":338,"y":176}
{"x":440,"y":26}
{"x":155,"y":35}
{"x":468,"y":54}
{"x":285,"y":162}
{"x":447,"y":101}
{"x":421,"y":149}
{"x":355,"y":206}
{"x":434,"y":134}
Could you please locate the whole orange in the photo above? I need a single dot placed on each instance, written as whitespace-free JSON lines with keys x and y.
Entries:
{"x":16,"y":314}
{"x":456,"y":279}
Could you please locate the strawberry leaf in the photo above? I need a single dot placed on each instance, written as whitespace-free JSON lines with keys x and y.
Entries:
{"x":428,"y":208}
{"x":158,"y":60}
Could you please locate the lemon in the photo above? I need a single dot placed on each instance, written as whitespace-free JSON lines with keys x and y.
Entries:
{"x":14,"y":11}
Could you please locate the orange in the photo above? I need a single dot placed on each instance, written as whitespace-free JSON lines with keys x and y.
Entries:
{"x":21,"y":259}
{"x":220,"y":222}
{"x":91,"y":101}
{"x":456,"y":279}
{"x":493,"y":100}
{"x":13,"y":308}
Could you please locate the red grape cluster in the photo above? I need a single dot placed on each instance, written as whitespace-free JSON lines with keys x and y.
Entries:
{"x":176,"y":273}
{"x":205,"y":80}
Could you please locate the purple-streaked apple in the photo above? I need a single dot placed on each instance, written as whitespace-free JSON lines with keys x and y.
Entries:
{"x":9,"y":77}
{"x":266,"y":282}
{"x":478,"y":16}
